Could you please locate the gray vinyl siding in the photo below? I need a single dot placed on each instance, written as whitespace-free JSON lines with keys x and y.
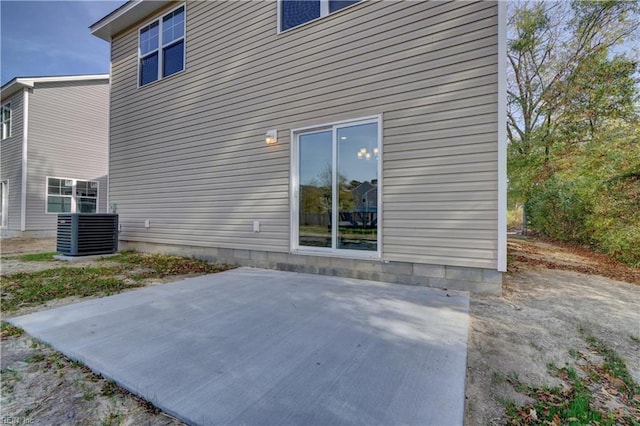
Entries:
{"x":188,"y":152}
{"x":11,"y":158}
{"x":68,"y":137}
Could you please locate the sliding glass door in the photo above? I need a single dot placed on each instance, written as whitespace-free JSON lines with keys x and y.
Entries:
{"x":316,"y":189}
{"x":336,"y":188}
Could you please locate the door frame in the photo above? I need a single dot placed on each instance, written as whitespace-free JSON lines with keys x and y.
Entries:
{"x":294,"y":221}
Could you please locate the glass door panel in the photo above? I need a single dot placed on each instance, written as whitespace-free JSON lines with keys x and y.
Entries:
{"x":357,"y":186}
{"x":315,"y":189}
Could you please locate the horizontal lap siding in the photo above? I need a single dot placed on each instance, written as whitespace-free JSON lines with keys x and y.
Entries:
{"x":68,"y":137}
{"x":11,"y":155}
{"x":188,"y":152}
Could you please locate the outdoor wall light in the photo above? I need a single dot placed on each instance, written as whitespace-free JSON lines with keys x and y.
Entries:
{"x":271,"y":137}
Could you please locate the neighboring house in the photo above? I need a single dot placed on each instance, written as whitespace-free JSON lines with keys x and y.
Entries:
{"x":54,"y":150}
{"x":237,"y":128}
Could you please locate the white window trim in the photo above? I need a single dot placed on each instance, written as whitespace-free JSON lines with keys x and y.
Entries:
{"x":324,"y":12}
{"x":8,"y":106}
{"x":73,"y":195}
{"x":161,"y":46}
{"x":294,"y":220}
{"x":4,"y":220}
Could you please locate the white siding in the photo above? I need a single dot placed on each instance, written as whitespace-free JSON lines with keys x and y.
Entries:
{"x":188,"y":152}
{"x":68,"y":137}
{"x":11,"y":158}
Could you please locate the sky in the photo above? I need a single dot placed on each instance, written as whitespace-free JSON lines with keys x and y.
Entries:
{"x":44,"y":38}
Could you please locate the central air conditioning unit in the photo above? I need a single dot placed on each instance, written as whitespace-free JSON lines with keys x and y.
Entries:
{"x":83,"y":234}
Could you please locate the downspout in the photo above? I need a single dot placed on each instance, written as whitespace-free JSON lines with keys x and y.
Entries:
{"x":25,"y":128}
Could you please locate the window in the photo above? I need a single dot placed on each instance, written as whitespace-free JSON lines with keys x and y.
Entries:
{"x":86,"y":196}
{"x":6,"y":121}
{"x":336,"y":175}
{"x":297,"y":12}
{"x":161,"y":47}
{"x":71,"y":196}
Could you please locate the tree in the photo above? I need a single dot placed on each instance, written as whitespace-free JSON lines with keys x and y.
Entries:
{"x":553,"y":49}
{"x":599,"y":89}
{"x":573,"y":114}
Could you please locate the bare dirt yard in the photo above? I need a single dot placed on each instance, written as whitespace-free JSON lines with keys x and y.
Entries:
{"x":561,"y":346}
{"x":553,"y":347}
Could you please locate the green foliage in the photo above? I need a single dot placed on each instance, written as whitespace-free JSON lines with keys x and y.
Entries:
{"x":9,"y":330}
{"x":29,"y":288}
{"x":574,"y":153}
{"x":578,"y":401}
{"x":556,"y":209}
{"x":162,"y":265}
{"x":615,"y":366}
{"x":38,"y":257}
{"x":615,"y":223}
{"x":598,"y":90}
{"x":593,"y":196}
{"x":42,"y":286}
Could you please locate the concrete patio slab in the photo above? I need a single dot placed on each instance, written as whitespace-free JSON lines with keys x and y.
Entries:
{"x":261,"y":347}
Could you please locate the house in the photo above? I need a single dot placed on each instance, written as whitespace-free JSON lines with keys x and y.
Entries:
{"x":54,"y":149}
{"x":237,"y":129}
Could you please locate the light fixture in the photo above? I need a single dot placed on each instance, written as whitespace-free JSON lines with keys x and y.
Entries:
{"x":271,"y":137}
{"x":363,"y":154}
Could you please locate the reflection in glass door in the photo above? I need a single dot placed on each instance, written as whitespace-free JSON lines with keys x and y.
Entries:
{"x":357,"y":185}
{"x":315,"y":192}
{"x":338,"y":187}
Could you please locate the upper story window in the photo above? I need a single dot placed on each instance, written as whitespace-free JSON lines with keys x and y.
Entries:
{"x":297,"y":12}
{"x":161,"y":47}
{"x":6,"y":121}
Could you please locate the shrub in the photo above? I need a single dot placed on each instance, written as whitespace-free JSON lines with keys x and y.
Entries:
{"x":558,"y":209}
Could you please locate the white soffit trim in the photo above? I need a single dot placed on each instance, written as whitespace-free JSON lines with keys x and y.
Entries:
{"x":19,"y":83}
{"x":30,"y":81}
{"x":502,"y":136}
{"x":125,"y":16}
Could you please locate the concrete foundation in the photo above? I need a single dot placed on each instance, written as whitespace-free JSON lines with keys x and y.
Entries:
{"x":474,"y":280}
{"x":11,"y":233}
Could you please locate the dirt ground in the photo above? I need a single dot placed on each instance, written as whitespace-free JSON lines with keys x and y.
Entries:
{"x":539,"y":319}
{"x":552,"y":296}
{"x":27,"y":245}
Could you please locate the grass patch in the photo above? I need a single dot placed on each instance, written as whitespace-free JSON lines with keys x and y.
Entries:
{"x":112,"y":419}
{"x":32,"y":288}
{"x":109,"y":388}
{"x":614,"y":368}
{"x":9,"y":379}
{"x":160,"y":265}
{"x":28,"y":288}
{"x":587,"y":395}
{"x":9,"y":330}
{"x":37,"y":257}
